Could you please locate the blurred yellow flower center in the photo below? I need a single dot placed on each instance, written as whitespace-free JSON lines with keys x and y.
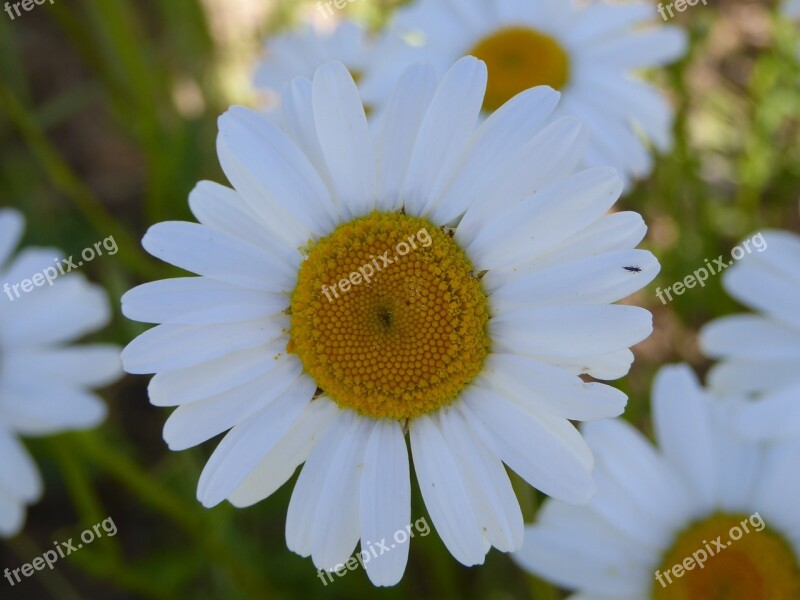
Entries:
{"x":519,"y":58}
{"x":759,"y":565}
{"x":388,"y":317}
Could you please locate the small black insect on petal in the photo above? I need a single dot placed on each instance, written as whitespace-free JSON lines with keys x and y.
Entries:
{"x":633,"y":269}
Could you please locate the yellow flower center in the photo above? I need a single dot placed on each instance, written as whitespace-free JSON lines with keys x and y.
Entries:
{"x":742,"y":559}
{"x":519,"y":58}
{"x":388,"y":316}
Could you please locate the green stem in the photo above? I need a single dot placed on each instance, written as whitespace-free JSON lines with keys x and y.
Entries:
{"x":55,"y":583}
{"x":89,"y":506}
{"x":68,"y":183}
{"x":177,"y":509}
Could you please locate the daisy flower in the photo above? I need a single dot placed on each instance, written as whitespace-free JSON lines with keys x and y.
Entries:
{"x":299,"y":53}
{"x":760,"y":353}
{"x":45,"y":384}
{"x":352,"y":292}
{"x":587,"y":53}
{"x":705,"y":515}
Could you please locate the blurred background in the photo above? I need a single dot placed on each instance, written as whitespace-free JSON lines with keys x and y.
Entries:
{"x":108,"y":115}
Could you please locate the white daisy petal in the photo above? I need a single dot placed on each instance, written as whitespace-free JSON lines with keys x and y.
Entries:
{"x":196,"y":422}
{"x":567,"y":331}
{"x":778,"y":489}
{"x":19,"y":476}
{"x":93,"y":365}
{"x":617,"y":94}
{"x":486,"y":483}
{"x":300,"y":51}
{"x":638,"y":491}
{"x":298,"y":121}
{"x":683,"y":428}
{"x":749,"y":376}
{"x":776,"y":292}
{"x":345,"y":138}
{"x":547,"y":158}
{"x":12,"y":514}
{"x":547,"y":219}
{"x":608,"y":367}
{"x":223,"y":257}
{"x":198,"y":300}
{"x":385,"y":502}
{"x":443,"y":135}
{"x":519,"y":436}
{"x":289,"y":453}
{"x":648,"y":49}
{"x":783,"y":246}
{"x":599,"y":279}
{"x":551,"y":389}
{"x":739,"y":466}
{"x":246,"y":444}
{"x":444,"y":493}
{"x":401,"y":123}
{"x":792,"y":8}
{"x":576,"y":548}
{"x":301,"y":515}
{"x":181,"y":386}
{"x":499,"y":139}
{"x":276,"y":169}
{"x":223,"y":209}
{"x":44,"y":407}
{"x":12,"y":224}
{"x":172,"y":347}
{"x":336,"y":524}
{"x":599,"y":21}
{"x":617,"y":231}
{"x":750,"y":336}
{"x":33,"y":260}
{"x":774,"y":415}
{"x":620,"y":147}
{"x":54,"y":315}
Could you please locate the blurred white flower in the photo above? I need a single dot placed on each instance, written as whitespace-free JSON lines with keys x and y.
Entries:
{"x":45,"y":383}
{"x":705,"y":515}
{"x":299,"y":53}
{"x":792,"y":8}
{"x":760,"y":353}
{"x":590,"y":54}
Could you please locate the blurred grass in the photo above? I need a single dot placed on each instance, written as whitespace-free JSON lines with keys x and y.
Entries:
{"x":108,"y":119}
